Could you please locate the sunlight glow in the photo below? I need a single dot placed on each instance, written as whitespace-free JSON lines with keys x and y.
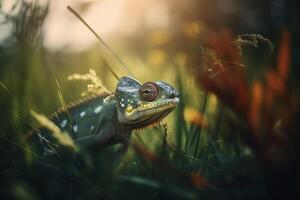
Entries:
{"x":63,"y":30}
{"x":109,"y":18}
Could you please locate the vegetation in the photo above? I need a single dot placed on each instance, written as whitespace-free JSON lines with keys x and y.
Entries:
{"x":234,"y":134}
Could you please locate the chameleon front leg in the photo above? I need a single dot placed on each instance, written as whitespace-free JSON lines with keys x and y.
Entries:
{"x":90,"y":144}
{"x":103,"y":137}
{"x":124,"y":144}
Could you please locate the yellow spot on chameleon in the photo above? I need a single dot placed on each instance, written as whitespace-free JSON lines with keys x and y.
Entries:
{"x":129,"y":108}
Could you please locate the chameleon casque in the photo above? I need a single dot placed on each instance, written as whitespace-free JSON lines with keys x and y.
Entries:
{"x":110,"y":119}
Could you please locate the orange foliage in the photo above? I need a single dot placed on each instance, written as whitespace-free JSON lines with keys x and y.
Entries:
{"x":275,"y":82}
{"x":195,"y":117}
{"x":224,"y":74}
{"x":260,"y":103}
{"x":223,"y":45}
{"x":283,"y":62}
{"x":256,"y":103}
{"x":197,"y":180}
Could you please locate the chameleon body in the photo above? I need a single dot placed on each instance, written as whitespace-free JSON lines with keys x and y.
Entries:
{"x":110,"y":119}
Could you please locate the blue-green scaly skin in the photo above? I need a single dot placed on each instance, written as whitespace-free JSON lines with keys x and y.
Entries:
{"x":106,"y":120}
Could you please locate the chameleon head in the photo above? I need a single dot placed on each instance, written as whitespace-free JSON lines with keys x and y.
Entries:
{"x":141,"y":105}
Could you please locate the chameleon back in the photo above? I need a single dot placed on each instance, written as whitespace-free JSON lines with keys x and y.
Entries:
{"x":82,"y":116}
{"x":82,"y":119}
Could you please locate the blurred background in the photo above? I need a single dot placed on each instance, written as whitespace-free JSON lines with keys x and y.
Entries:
{"x":235,"y":64}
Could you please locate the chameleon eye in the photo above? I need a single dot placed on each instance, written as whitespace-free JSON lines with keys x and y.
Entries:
{"x":149,"y":91}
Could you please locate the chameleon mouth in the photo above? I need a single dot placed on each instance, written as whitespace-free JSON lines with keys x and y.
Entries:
{"x":151,"y":113}
{"x":155,"y":107}
{"x":151,"y":121}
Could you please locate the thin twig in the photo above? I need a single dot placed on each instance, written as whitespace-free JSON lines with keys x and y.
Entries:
{"x":101,"y":41}
{"x":21,"y":147}
{"x":62,"y":100}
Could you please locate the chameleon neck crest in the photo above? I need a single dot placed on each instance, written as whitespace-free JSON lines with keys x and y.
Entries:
{"x":141,"y":105}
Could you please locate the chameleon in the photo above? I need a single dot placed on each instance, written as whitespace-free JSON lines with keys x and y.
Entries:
{"x":110,"y":119}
